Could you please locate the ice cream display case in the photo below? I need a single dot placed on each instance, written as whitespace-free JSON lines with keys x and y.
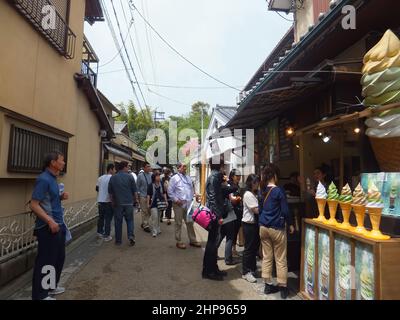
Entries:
{"x":338,"y":264}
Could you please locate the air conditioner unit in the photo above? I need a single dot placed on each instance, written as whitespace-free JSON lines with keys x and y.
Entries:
{"x":103,"y":133}
{"x":285,"y":5}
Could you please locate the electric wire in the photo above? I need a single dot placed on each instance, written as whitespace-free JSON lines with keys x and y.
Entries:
{"x":177,"y":52}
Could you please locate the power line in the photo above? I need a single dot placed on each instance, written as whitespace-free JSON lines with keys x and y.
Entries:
{"x":173,"y":100}
{"x":148,"y":43}
{"x":133,"y":47}
{"x":177,"y":52}
{"x":284,"y":17}
{"x":114,"y":36}
{"x":126,"y":50}
{"x":119,"y":50}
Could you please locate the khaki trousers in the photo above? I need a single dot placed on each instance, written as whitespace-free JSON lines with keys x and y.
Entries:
{"x":274,"y":245}
{"x":179,"y":215}
{"x":144,"y":208}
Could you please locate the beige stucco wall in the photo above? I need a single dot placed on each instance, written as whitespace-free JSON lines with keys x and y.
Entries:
{"x":37,"y":82}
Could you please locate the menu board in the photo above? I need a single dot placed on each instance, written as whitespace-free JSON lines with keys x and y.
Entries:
{"x":285,"y":142}
{"x":365,"y":286}
{"x":324,"y":264}
{"x":309,"y":259}
{"x":342,"y":268}
{"x":273,"y":140}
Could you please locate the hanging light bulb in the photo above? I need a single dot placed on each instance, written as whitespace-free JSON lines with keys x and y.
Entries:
{"x":290,"y":131}
{"x":357,"y":130}
{"x":326,"y":138}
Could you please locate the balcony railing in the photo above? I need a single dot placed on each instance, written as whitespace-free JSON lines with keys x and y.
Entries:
{"x":87,"y":71}
{"x":61,"y":37}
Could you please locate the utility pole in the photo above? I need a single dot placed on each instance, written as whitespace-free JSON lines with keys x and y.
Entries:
{"x":158,"y":116}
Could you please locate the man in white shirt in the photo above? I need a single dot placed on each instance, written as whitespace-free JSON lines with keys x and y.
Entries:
{"x":105,"y":206}
{"x":181,"y":192}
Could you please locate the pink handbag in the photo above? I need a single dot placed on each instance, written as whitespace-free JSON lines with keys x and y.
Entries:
{"x":203,"y":217}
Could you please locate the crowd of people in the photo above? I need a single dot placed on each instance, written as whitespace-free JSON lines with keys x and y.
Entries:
{"x":260,"y":211}
{"x":264,"y":217}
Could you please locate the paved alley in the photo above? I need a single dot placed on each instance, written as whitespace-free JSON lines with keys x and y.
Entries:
{"x":153,"y":269}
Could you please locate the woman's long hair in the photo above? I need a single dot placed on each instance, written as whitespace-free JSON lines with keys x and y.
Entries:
{"x":270,"y":171}
{"x":251,"y":179}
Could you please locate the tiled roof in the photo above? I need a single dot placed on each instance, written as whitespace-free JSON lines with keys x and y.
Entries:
{"x":225,"y":112}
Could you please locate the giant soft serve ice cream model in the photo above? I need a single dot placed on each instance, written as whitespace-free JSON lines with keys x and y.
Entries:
{"x":381,"y":86}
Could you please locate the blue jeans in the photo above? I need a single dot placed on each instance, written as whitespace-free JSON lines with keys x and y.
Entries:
{"x":121,"y":212}
{"x":228,"y":231}
{"x":105,"y":218}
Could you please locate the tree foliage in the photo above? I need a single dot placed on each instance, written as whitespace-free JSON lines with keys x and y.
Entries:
{"x":140,"y":122}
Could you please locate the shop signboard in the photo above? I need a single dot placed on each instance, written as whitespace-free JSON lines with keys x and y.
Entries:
{"x":323,"y":264}
{"x":364,"y":263}
{"x":309,"y":260}
{"x":285,"y":142}
{"x":342,"y":268}
{"x":273,"y":139}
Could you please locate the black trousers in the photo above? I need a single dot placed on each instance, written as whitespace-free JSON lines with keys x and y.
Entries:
{"x":211,"y":252}
{"x":251,"y":247}
{"x":238,"y":224}
{"x":168,"y":211}
{"x":51,"y":252}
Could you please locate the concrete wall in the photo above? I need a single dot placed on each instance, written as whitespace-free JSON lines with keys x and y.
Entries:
{"x":37,"y":82}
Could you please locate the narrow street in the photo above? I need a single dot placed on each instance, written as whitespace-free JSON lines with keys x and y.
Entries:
{"x":153,"y":269}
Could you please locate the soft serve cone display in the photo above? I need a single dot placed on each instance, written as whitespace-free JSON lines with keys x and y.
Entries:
{"x":375,"y":207}
{"x":320,"y":197}
{"x":381,"y":86}
{"x":359,"y":201}
{"x":332,"y":199}
{"x":345,"y":200}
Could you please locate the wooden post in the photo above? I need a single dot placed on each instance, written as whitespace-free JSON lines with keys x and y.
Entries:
{"x":341,"y":165}
{"x":303,"y":187}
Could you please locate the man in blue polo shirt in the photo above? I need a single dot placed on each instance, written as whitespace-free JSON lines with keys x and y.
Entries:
{"x":50,"y":228}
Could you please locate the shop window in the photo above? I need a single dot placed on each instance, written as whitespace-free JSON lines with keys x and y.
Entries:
{"x":27,"y":149}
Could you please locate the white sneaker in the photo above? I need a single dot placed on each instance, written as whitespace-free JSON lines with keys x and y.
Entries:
{"x":100,"y":235}
{"x":56,"y":291}
{"x":249,"y":277}
{"x":154,"y":235}
{"x":107,"y":239}
{"x":49,"y":298}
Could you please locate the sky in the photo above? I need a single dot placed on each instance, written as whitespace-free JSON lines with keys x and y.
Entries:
{"x":229,"y":39}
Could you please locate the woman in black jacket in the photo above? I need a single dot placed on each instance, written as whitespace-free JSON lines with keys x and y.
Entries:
{"x":215,"y":202}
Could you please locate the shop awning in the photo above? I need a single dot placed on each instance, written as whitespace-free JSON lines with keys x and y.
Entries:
{"x":137,"y":156}
{"x":118,"y":152}
{"x":267,"y":104}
